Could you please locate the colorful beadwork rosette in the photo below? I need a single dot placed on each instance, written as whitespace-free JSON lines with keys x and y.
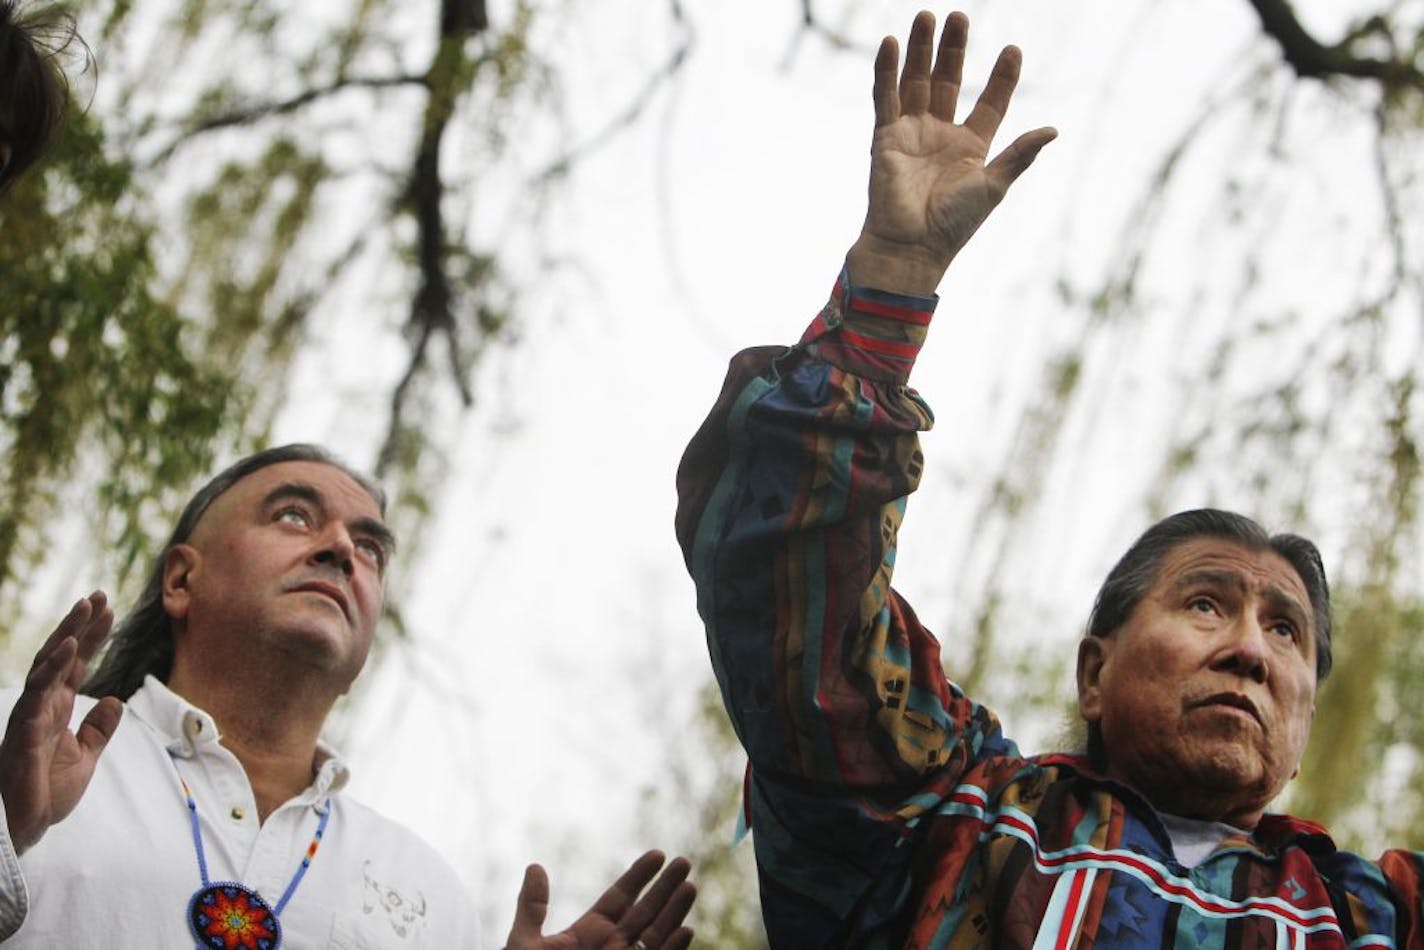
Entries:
{"x":232,"y":916}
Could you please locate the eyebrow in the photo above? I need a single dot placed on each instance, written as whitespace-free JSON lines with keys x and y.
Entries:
{"x":1277,"y":599}
{"x":370,"y":527}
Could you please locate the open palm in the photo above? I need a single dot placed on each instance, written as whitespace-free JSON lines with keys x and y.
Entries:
{"x":930,"y":184}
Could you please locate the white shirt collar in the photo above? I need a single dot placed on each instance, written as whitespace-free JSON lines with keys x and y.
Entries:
{"x":187,"y":730}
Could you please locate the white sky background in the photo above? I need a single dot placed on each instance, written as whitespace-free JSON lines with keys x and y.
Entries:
{"x":556,"y":652}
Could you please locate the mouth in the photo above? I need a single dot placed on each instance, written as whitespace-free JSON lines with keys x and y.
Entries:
{"x":327,"y":590}
{"x":1230,"y":701}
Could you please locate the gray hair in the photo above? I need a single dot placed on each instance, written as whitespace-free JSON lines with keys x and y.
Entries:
{"x":1134,"y":574}
{"x":142,"y":644}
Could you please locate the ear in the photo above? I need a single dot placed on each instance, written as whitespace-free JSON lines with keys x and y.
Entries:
{"x":178,"y":567}
{"x":1093,"y":655}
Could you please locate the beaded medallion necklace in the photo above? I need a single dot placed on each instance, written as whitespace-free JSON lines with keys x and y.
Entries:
{"x":229,"y":915}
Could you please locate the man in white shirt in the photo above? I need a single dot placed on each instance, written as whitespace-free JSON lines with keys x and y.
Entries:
{"x":215,"y":818}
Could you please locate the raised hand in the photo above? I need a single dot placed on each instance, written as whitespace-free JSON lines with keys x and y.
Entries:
{"x":618,"y":920}
{"x":930,"y":184}
{"x":44,"y":767}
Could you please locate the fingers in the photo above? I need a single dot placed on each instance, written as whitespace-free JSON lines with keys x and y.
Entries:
{"x":51,"y":666}
{"x":615,"y":901}
{"x":87,"y":623}
{"x":885,"y":92}
{"x":91,"y":636}
{"x":73,"y":621}
{"x":993,"y":102}
{"x":1009,"y":164}
{"x":919,"y":53}
{"x":681,"y":939}
{"x":948,"y":73}
{"x":663,"y":907}
{"x":530,"y":908}
{"x":95,"y":629}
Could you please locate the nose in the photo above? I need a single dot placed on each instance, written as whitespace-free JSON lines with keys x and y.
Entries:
{"x":336,"y":549}
{"x":1245,"y":653}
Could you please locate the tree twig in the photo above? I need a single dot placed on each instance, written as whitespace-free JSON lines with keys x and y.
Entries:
{"x":248,"y":114}
{"x":1312,"y":59}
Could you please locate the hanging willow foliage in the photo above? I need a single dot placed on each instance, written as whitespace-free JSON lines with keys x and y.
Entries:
{"x":241,"y":170}
{"x":98,"y":378}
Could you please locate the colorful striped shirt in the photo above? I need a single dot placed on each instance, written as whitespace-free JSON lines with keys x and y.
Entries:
{"x":887,"y":807}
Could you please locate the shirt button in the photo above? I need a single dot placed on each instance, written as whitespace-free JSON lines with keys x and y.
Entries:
{"x":237,"y":812}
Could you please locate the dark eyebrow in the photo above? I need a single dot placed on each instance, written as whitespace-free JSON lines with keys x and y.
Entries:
{"x":372,"y":528}
{"x":299,"y":490}
{"x":1291,"y":608}
{"x":1279,"y":600}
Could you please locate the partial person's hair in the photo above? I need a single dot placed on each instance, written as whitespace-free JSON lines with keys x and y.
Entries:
{"x":34,"y":90}
{"x":1134,"y":574}
{"x":142,"y":643}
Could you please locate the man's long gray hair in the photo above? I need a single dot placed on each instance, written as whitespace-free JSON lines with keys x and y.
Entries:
{"x":142,"y":644}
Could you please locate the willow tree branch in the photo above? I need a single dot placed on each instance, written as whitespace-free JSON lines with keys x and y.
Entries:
{"x":432,"y":307}
{"x":255,"y":112}
{"x":1312,"y":59}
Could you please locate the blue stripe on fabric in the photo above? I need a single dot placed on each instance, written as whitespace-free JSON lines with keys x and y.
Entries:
{"x":1089,"y":856}
{"x":717,"y":513}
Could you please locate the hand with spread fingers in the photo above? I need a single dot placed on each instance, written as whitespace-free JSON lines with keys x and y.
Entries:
{"x":620,"y":919}
{"x":931,"y":183}
{"x":45,"y":767}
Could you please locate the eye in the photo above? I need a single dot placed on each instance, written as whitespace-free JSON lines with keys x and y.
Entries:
{"x":1286,"y":629}
{"x":1202,"y":605}
{"x":373,"y":551}
{"x":293,"y":515}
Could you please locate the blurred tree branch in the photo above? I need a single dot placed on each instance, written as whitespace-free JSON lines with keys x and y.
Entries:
{"x":1312,"y":59}
{"x":246,"y":115}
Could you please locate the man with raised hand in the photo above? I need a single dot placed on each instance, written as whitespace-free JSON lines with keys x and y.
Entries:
{"x":886,"y":806}
{"x":194,"y":803}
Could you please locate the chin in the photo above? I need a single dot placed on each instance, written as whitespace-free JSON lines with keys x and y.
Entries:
{"x":322,"y":640}
{"x":1232,"y":785}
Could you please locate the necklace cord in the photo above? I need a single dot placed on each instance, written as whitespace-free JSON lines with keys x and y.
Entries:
{"x":301,"y":872}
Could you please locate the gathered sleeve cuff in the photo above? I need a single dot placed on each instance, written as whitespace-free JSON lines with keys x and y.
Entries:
{"x":871,"y":333}
{"x":14,"y":895}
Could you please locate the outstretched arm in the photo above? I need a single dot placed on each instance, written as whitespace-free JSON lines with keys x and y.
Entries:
{"x":790,"y":499}
{"x":44,"y":767}
{"x":931,"y":183}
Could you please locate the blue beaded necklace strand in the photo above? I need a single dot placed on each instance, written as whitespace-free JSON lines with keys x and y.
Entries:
{"x":229,"y":915}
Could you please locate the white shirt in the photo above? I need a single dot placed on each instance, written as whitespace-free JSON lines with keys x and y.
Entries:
{"x":119,"y":872}
{"x":1194,"y":839}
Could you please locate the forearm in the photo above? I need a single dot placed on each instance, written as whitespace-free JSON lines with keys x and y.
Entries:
{"x":791,"y":498}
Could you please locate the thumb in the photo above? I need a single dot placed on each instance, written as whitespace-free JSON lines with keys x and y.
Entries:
{"x":98,"y":727}
{"x":1014,"y":160}
{"x":530,"y":909}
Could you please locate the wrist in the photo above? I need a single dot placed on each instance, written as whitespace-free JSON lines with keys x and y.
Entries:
{"x":895,"y":268}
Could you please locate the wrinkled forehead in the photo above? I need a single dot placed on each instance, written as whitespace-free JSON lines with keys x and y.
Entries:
{"x":1263,"y":572}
